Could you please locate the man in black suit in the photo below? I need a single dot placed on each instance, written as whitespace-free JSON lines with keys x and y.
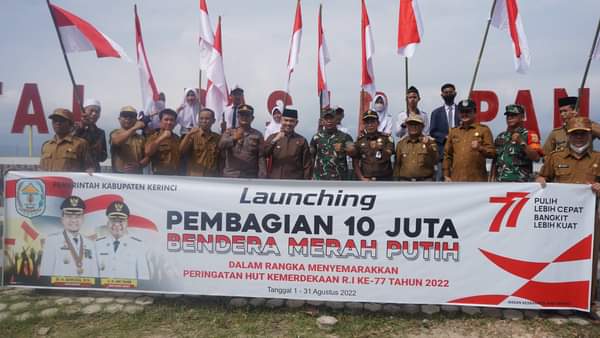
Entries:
{"x":440,"y":126}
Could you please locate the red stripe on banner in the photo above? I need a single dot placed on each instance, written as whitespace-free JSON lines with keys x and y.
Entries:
{"x":481,"y":299}
{"x":580,"y":251}
{"x":100,"y":202}
{"x":56,"y":186}
{"x":513,"y":12}
{"x":9,"y":241}
{"x":516,"y":267}
{"x":101,"y":44}
{"x":31,"y":232}
{"x":560,"y":294}
{"x":141,"y":223}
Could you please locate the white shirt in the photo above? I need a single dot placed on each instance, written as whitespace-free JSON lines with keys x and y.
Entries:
{"x":401,"y":131}
{"x":450,"y":113}
{"x":57,"y":259}
{"x":128,"y":261}
{"x":385,"y":122}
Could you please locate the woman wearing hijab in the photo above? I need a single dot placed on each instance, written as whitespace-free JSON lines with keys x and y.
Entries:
{"x":380,"y":106}
{"x":187,"y":113}
{"x":274,"y":125}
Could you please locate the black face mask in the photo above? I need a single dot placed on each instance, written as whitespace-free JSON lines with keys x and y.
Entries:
{"x":448,"y":99}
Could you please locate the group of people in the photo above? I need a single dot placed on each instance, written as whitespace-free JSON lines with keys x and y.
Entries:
{"x":450,"y":145}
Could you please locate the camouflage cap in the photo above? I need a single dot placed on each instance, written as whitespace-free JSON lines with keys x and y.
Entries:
{"x":579,"y":123}
{"x":327,"y":112}
{"x":514,"y":109}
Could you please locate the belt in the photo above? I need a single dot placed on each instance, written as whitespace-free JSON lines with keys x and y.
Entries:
{"x":415,"y":179}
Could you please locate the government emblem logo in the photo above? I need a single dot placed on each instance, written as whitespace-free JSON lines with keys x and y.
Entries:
{"x":31,"y":197}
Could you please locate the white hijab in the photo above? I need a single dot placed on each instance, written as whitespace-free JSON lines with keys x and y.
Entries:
{"x":385,"y":119}
{"x":187,"y":118}
{"x":273,"y":126}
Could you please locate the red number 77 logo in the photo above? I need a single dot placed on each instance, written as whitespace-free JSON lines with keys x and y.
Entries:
{"x":508,"y":201}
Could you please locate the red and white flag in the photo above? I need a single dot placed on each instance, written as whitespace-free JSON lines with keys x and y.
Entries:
{"x":323,"y":60}
{"x":368,"y":50}
{"x":410,"y":27}
{"x":206,"y":39}
{"x":216,"y":88}
{"x":147,"y":83}
{"x":294,"y":44}
{"x":506,"y":17}
{"x":78,"y":35}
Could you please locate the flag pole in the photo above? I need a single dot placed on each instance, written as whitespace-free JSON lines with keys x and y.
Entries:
{"x":587,"y":67}
{"x":406,"y":82}
{"x":62,"y":47}
{"x":487,"y":28}
{"x":30,"y":140}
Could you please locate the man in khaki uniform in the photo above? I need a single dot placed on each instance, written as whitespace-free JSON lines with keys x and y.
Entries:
{"x":577,"y":162}
{"x":162,"y":147}
{"x":558,"y":136}
{"x":243,"y":148}
{"x":201,"y":146}
{"x":467,"y":147}
{"x":372,"y":160}
{"x":65,"y":152}
{"x":289,"y":151}
{"x":88,"y":130}
{"x":126,"y":145}
{"x":416,"y":154}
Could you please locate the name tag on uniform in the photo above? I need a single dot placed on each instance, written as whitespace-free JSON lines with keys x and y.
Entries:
{"x":562,"y":166}
{"x":104,"y":254}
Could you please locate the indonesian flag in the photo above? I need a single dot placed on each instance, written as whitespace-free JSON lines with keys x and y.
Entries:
{"x":206,"y":39}
{"x":294,"y":44}
{"x":506,"y":17}
{"x":216,"y":89}
{"x":368,"y":50}
{"x":323,"y":59}
{"x":78,"y":35}
{"x":410,"y":27}
{"x":147,"y":83}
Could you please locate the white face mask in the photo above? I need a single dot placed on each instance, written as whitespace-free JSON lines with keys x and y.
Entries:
{"x":579,"y":150}
{"x":378,"y":107}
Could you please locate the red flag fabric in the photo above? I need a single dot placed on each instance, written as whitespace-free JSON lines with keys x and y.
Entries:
{"x":368,"y":50}
{"x":216,"y":89}
{"x":206,"y":39}
{"x":410,"y":27}
{"x":79,"y":35}
{"x":506,"y":17}
{"x":323,"y":60}
{"x":147,"y":83}
{"x":294,"y":52}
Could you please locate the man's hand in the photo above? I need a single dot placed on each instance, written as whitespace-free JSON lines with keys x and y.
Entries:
{"x":238,"y":134}
{"x":475,"y":145}
{"x":278,"y":137}
{"x":350,"y":149}
{"x":180,"y":108}
{"x":542,"y":181}
{"x":165,"y":134}
{"x":447,"y":179}
{"x":139,"y":125}
{"x":596,"y":188}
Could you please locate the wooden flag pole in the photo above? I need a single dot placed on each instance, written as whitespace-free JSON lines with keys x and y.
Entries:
{"x":587,"y":67}
{"x":62,"y":47}
{"x":485,"y":35}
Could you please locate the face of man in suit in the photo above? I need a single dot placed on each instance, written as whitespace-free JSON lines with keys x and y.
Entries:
{"x":448,"y":95}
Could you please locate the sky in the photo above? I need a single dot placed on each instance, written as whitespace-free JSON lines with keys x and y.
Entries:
{"x":256,"y":36}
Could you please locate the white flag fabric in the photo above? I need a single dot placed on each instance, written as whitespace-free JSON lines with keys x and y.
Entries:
{"x":410,"y":27}
{"x":216,"y":89}
{"x":506,"y":17}
{"x":78,"y":35}
{"x":368,"y":50}
{"x":206,"y":39}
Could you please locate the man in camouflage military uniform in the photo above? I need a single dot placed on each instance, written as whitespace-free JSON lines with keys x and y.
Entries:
{"x":89,"y":131}
{"x":373,"y":158}
{"x":416,"y":154}
{"x":126,"y":145}
{"x":162,"y":147}
{"x":243,"y":148}
{"x":558,"y":136}
{"x":289,"y":151}
{"x":329,"y":148}
{"x":202,"y":146}
{"x":516,"y":149}
{"x":467,"y":147}
{"x":65,"y":152}
{"x":576,"y":163}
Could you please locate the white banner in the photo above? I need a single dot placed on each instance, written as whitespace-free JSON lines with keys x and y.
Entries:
{"x":485,"y":244}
